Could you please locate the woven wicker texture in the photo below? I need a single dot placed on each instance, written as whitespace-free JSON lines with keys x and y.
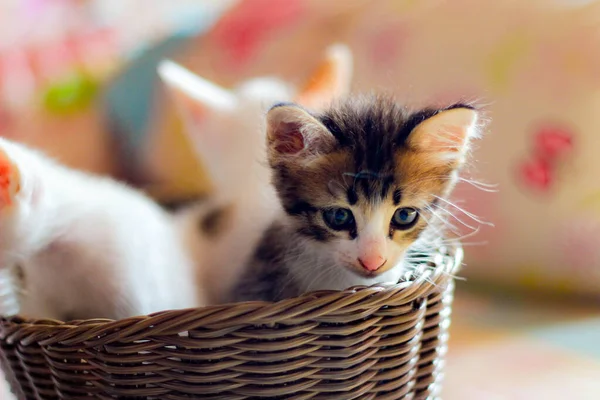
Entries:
{"x":384,"y":342}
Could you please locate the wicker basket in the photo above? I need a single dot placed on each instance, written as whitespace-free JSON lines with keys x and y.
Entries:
{"x":383,"y":342}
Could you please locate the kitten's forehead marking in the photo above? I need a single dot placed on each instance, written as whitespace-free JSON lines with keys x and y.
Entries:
{"x":351,"y":196}
{"x":397,"y":196}
{"x":375,"y":187}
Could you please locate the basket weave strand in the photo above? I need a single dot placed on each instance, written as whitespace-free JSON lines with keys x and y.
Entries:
{"x":381,"y":342}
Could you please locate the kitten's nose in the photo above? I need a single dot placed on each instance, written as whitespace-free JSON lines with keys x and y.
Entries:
{"x":372,"y":263}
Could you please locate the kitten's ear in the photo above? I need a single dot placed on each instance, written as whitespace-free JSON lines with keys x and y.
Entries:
{"x":447,"y":134}
{"x":331,"y":79}
{"x":194,"y":96}
{"x":292,"y":131}
{"x":176,"y":151}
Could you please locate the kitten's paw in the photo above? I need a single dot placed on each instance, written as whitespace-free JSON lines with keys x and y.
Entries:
{"x":10,"y":181}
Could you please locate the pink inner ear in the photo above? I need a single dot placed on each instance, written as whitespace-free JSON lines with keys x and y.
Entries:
{"x":288,"y":139}
{"x":448,"y":139}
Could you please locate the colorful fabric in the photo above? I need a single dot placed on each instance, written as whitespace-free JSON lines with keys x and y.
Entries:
{"x":128,"y":98}
{"x":56,"y":56}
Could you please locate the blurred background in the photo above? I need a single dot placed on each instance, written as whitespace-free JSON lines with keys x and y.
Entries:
{"x":78,"y":80}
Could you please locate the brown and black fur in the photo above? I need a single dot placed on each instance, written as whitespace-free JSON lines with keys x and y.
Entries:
{"x":264,"y":280}
{"x":370,"y":151}
{"x":370,"y":160}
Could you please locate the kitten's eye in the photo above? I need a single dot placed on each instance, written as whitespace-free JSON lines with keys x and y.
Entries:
{"x":405,"y":218}
{"x":338,"y":218}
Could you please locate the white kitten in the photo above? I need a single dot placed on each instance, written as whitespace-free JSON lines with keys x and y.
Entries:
{"x":90,"y":247}
{"x":87,"y":246}
{"x":227,"y":132}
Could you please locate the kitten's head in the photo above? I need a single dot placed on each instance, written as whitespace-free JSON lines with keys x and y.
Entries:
{"x":225,"y":126}
{"x":365,"y":177}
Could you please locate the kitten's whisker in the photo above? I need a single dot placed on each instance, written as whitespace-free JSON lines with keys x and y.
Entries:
{"x":466,"y":244}
{"x":456,"y":277}
{"x":436,"y":215}
{"x":453,"y":216}
{"x":471,"y":215}
{"x":430,"y":280}
{"x":354,"y":176}
{"x":316,"y":277}
{"x":437,"y":230}
{"x":323,"y":270}
{"x":465,"y":236}
{"x":415,"y":261}
{"x":486,"y":187}
{"x":449,"y":225}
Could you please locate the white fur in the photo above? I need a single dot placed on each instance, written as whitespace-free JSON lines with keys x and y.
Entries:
{"x":194,"y":86}
{"x":333,"y":265}
{"x":89,"y":246}
{"x":320,"y":268}
{"x":232,"y":145}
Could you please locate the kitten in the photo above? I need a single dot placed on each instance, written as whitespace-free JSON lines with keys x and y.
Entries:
{"x":359,"y":185}
{"x":225,"y":129}
{"x":85,"y":246}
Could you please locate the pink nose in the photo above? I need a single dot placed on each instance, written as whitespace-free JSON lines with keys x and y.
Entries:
{"x":372,"y":263}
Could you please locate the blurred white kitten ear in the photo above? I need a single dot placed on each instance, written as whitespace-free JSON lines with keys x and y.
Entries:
{"x":292,"y":131}
{"x":447,"y":134}
{"x":195,"y":96}
{"x":175,"y":152}
{"x":331,"y":79}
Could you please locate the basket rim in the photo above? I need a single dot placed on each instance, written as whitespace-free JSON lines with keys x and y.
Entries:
{"x":429,"y":278}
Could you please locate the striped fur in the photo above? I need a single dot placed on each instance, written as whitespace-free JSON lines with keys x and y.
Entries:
{"x":368,"y":155}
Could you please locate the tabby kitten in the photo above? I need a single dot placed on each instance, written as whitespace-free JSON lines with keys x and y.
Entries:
{"x":359,"y":185}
